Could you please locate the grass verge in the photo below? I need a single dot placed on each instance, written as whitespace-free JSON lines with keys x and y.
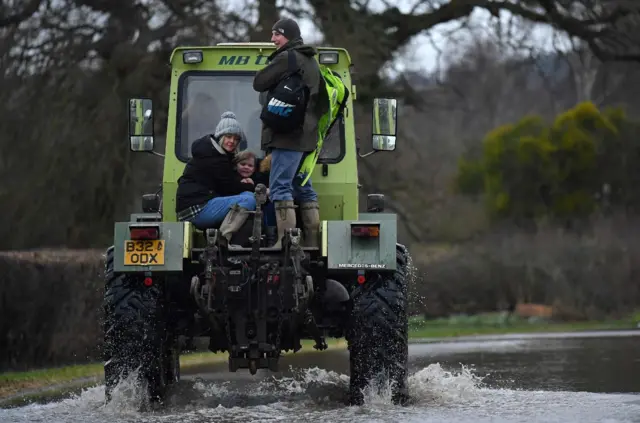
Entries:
{"x":451,"y":330}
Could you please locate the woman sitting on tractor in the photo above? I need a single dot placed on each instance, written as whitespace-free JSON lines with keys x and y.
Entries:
{"x":210,"y":190}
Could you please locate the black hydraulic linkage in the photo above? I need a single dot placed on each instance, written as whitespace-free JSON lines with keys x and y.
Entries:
{"x":256,"y":235}
{"x":256,"y":240}
{"x":302,"y":288}
{"x":204,"y":297}
{"x":256,"y":315}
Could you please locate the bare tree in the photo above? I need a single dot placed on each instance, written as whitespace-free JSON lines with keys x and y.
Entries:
{"x":607,"y":27}
{"x":68,"y":65}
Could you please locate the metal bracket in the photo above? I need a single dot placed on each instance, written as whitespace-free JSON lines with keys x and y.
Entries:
{"x":210,"y":253}
{"x":367,"y":154}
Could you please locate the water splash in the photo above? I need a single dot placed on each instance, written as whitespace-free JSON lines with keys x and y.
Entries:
{"x":128,"y":396}
{"x":378,"y":393}
{"x":434,"y":384}
{"x":431,"y":385}
{"x":312,"y":384}
{"x":305,"y":379}
{"x":209,"y":390}
{"x":414,"y":280}
{"x":316,"y":395}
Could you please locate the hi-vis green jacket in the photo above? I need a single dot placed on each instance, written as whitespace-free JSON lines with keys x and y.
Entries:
{"x":338,"y":95}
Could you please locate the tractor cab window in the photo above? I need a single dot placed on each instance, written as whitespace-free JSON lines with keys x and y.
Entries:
{"x":204,"y":96}
{"x":333,"y":146}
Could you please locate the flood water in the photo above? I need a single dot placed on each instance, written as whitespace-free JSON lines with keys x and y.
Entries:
{"x":589,"y":377}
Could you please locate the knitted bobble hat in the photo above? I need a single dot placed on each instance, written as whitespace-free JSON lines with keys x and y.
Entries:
{"x":228,"y":125}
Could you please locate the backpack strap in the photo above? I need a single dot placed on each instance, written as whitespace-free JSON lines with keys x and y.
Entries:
{"x":292,"y":67}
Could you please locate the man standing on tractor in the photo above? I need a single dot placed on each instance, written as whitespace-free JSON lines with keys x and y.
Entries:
{"x":294,"y":98}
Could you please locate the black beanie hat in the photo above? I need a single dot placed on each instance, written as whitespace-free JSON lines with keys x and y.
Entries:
{"x":287,"y":27}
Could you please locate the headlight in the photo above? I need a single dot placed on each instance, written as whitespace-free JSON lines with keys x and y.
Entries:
{"x":328,"y":57}
{"x":191,"y":57}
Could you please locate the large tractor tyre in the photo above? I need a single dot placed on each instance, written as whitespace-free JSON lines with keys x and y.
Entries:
{"x":135,"y":338}
{"x":378,"y":334}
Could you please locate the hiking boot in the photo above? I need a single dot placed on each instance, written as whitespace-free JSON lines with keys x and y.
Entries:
{"x":285,"y":219}
{"x":310,"y":223}
{"x":232,"y":222}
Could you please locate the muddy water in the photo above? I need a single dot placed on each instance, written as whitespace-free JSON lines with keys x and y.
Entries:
{"x":592,"y":377}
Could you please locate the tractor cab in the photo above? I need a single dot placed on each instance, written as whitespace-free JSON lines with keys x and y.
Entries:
{"x":206,"y":81}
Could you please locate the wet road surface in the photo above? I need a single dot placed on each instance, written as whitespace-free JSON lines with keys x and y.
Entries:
{"x":591,"y":377}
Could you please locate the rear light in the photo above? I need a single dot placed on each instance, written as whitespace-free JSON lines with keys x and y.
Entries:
{"x":365,"y":231}
{"x":144,"y":233}
{"x":147,"y":281}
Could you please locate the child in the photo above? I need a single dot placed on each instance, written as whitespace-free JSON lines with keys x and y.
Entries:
{"x":246,"y":163}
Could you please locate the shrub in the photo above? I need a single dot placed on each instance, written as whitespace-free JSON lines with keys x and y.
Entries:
{"x":580,"y":163}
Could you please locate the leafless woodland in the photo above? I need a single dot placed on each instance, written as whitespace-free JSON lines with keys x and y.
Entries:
{"x":67,"y":173}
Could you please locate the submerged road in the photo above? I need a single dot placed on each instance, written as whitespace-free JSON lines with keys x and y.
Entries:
{"x":546,"y":378}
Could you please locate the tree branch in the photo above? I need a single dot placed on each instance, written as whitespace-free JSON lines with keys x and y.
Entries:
{"x":29,"y":10}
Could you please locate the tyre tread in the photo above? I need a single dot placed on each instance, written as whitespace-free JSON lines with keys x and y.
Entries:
{"x":378,"y":332}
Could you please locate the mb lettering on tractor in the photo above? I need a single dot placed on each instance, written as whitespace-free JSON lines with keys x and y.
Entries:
{"x":169,"y":284}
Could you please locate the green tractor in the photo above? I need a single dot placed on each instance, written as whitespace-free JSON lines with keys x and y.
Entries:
{"x":169,"y":283}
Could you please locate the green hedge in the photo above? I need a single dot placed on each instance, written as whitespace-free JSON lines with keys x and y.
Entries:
{"x":50,"y":308}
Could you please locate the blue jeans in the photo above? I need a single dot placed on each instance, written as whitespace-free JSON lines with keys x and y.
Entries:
{"x":217,"y":208}
{"x":284,"y":183}
{"x":269,"y":214}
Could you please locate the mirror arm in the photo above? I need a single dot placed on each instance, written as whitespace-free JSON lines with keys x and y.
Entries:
{"x":367,"y":154}
{"x":155,"y":153}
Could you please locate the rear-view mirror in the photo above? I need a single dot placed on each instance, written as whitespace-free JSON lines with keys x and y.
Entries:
{"x":141,"y":124}
{"x":385,"y":128}
{"x":141,"y":143}
{"x":384,"y":143}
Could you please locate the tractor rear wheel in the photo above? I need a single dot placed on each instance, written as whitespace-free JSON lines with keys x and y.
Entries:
{"x":378,"y":333}
{"x":135,"y":336}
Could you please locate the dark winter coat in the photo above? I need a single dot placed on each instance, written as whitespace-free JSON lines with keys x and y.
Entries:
{"x":306,"y":138}
{"x":209,"y":173}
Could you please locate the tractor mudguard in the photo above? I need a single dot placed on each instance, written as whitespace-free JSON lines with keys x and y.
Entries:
{"x":160,"y":247}
{"x":368,"y":243}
